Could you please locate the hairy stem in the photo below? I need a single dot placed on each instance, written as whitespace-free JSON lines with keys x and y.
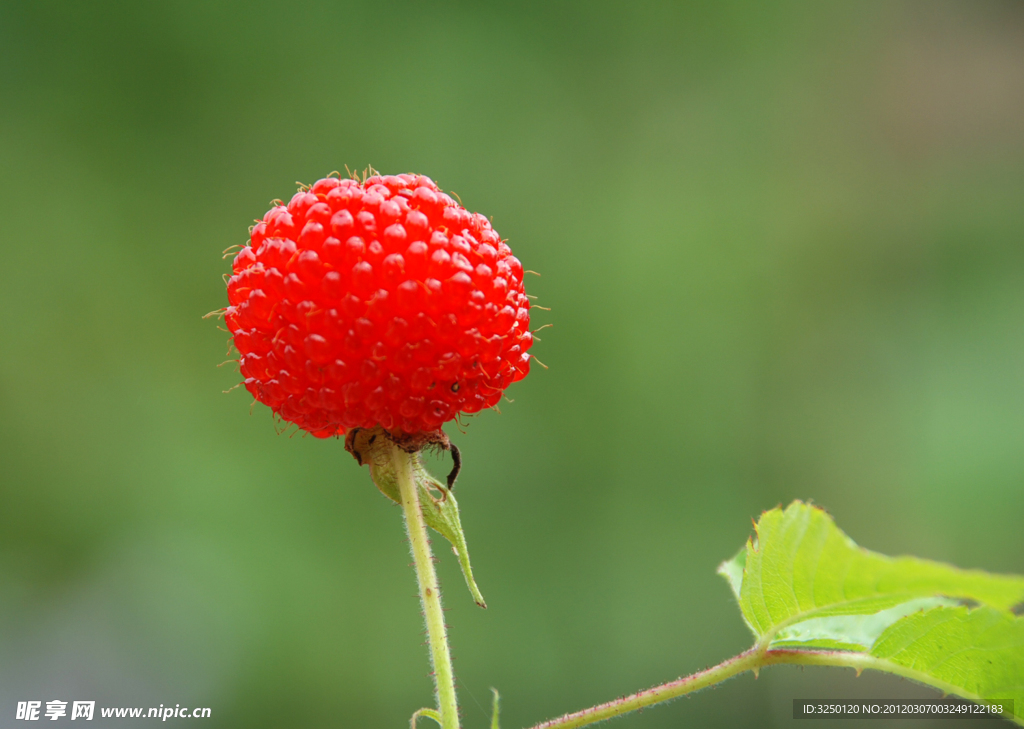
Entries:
{"x":752,"y":660}
{"x":673,"y":689}
{"x":430,"y":592}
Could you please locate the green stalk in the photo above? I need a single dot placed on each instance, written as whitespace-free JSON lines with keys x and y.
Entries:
{"x":430,"y":591}
{"x":752,"y":660}
{"x":747,"y":661}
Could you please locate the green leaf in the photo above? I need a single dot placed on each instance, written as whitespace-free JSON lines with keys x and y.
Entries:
{"x":437,"y":502}
{"x":802,"y":583}
{"x":977,"y":654}
{"x":801,"y":566}
{"x":851,"y":632}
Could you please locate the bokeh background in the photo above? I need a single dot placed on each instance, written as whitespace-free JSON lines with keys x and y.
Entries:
{"x":783,"y":245}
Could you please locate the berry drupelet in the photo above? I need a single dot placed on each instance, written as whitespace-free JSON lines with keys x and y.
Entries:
{"x":382,"y":302}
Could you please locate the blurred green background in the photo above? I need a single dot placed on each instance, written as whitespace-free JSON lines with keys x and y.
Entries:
{"x":783,"y":245}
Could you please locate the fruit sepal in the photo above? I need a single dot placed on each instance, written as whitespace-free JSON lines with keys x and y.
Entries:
{"x":372,"y":447}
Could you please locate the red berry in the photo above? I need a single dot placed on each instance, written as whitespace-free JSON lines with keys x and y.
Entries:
{"x":377,"y":303}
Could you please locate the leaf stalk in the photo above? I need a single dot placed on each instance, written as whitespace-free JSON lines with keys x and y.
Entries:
{"x":753,"y":659}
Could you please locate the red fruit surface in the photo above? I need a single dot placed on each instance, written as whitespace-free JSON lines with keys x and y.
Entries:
{"x":383,"y":302}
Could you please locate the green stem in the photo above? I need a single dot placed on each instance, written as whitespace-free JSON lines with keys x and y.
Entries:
{"x":746,"y":661}
{"x":752,"y":660}
{"x":430,"y":591}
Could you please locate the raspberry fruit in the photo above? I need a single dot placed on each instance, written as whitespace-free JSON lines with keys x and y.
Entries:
{"x":382,"y":302}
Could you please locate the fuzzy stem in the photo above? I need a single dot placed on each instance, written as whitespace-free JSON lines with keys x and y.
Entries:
{"x":673,"y":689}
{"x":430,"y":591}
{"x":752,"y":660}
